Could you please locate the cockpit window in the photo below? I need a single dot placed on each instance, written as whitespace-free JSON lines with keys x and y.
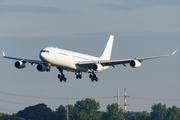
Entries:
{"x":44,"y":51}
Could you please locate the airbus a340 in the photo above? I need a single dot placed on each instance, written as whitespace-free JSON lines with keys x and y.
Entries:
{"x":78,"y":62}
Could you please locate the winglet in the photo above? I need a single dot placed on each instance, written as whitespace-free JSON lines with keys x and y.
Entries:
{"x":3,"y":54}
{"x":174,"y":52}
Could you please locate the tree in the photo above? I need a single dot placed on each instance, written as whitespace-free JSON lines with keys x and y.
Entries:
{"x":113,"y":113}
{"x":73,"y":112}
{"x":173,"y":113}
{"x":10,"y":117}
{"x":88,"y":109}
{"x":137,"y":115}
{"x":37,"y":112}
{"x":60,"y":113}
{"x":158,"y":112}
{"x":145,"y":115}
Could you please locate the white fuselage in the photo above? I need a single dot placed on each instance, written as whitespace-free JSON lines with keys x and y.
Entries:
{"x":68,"y":59}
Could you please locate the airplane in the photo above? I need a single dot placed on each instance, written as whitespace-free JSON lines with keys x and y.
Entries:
{"x":78,"y":62}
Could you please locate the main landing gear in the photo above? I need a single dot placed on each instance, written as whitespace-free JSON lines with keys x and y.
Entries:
{"x":61,"y":76}
{"x":78,"y":75}
{"x":93,"y":77}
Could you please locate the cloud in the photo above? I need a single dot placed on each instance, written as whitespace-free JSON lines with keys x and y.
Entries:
{"x":29,"y":9}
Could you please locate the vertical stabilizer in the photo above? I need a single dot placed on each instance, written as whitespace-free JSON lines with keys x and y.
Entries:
{"x":3,"y":54}
{"x":107,"y":51}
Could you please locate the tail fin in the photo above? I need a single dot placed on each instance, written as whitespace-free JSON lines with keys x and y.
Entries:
{"x":3,"y":54}
{"x":107,"y":51}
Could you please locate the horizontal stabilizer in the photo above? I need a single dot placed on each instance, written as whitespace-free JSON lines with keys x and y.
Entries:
{"x":174,"y":52}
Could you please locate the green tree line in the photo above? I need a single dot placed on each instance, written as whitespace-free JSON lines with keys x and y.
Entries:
{"x":88,"y":109}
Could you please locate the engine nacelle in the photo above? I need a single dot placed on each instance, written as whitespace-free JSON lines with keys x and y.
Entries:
{"x":41,"y":67}
{"x":94,"y":67}
{"x":19,"y":64}
{"x":97,"y":67}
{"x":135,"y":63}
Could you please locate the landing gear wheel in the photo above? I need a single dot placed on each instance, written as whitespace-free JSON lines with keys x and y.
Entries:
{"x":96,"y":79}
{"x":59,"y":76}
{"x":65,"y":79}
{"x":77,"y":76}
{"x":90,"y":76}
{"x":61,"y":80}
{"x":92,"y":79}
{"x":80,"y":76}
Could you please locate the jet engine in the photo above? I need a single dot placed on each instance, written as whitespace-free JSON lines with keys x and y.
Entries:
{"x":19,"y":64}
{"x":41,"y":67}
{"x":94,"y":67}
{"x":135,"y":63}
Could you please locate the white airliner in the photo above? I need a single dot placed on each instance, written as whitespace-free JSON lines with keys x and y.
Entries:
{"x":77,"y":62}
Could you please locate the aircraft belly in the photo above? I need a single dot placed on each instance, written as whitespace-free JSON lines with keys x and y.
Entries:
{"x":71,"y":69}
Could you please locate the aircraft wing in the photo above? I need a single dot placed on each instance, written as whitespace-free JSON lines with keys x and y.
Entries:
{"x":22,"y":59}
{"x":118,"y":62}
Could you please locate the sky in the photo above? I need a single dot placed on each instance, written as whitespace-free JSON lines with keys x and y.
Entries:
{"x":141,"y":28}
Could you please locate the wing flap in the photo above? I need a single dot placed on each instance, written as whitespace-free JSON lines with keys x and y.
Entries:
{"x":115,"y":62}
{"x":104,"y":62}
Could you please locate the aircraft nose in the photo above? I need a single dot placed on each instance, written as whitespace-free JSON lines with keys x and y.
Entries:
{"x":42,"y":56}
